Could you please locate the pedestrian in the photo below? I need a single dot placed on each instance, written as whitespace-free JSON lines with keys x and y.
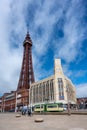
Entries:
{"x":29,"y":112}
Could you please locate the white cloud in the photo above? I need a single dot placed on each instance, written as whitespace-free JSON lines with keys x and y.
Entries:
{"x":73,"y":33}
{"x":13,"y":22}
{"x":10,"y":60}
{"x":81,"y":90}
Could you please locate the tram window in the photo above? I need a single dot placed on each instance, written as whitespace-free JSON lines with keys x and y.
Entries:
{"x":60,"y":105}
{"x":38,"y":107}
{"x":52,"y":106}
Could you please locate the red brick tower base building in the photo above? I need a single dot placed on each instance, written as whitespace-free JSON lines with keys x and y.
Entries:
{"x":26,"y":75}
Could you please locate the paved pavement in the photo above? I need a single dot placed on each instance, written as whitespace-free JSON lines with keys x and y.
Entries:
{"x":9,"y":121}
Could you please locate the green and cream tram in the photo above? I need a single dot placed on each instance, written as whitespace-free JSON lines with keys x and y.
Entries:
{"x":49,"y":107}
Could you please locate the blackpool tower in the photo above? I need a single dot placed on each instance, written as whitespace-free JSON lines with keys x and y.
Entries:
{"x":26,"y":74}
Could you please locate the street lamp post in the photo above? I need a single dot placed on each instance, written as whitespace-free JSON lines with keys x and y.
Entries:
{"x":30,"y":100}
{"x":69,"y":112}
{"x":68,"y":103}
{"x":4,"y":105}
{"x":16,"y":102}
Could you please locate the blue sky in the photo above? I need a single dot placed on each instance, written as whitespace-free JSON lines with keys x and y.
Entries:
{"x":58,"y":29}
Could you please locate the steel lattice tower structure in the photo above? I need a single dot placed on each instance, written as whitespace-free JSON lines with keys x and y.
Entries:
{"x":27,"y":74}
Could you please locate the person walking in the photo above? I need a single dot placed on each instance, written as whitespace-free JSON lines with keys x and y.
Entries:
{"x":29,"y":112}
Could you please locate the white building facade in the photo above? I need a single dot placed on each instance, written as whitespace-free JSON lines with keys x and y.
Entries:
{"x":54,"y":89}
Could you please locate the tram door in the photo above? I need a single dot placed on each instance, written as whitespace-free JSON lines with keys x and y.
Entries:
{"x":45,"y":107}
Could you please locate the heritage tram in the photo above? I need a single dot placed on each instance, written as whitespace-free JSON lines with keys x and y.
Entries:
{"x":49,"y":107}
